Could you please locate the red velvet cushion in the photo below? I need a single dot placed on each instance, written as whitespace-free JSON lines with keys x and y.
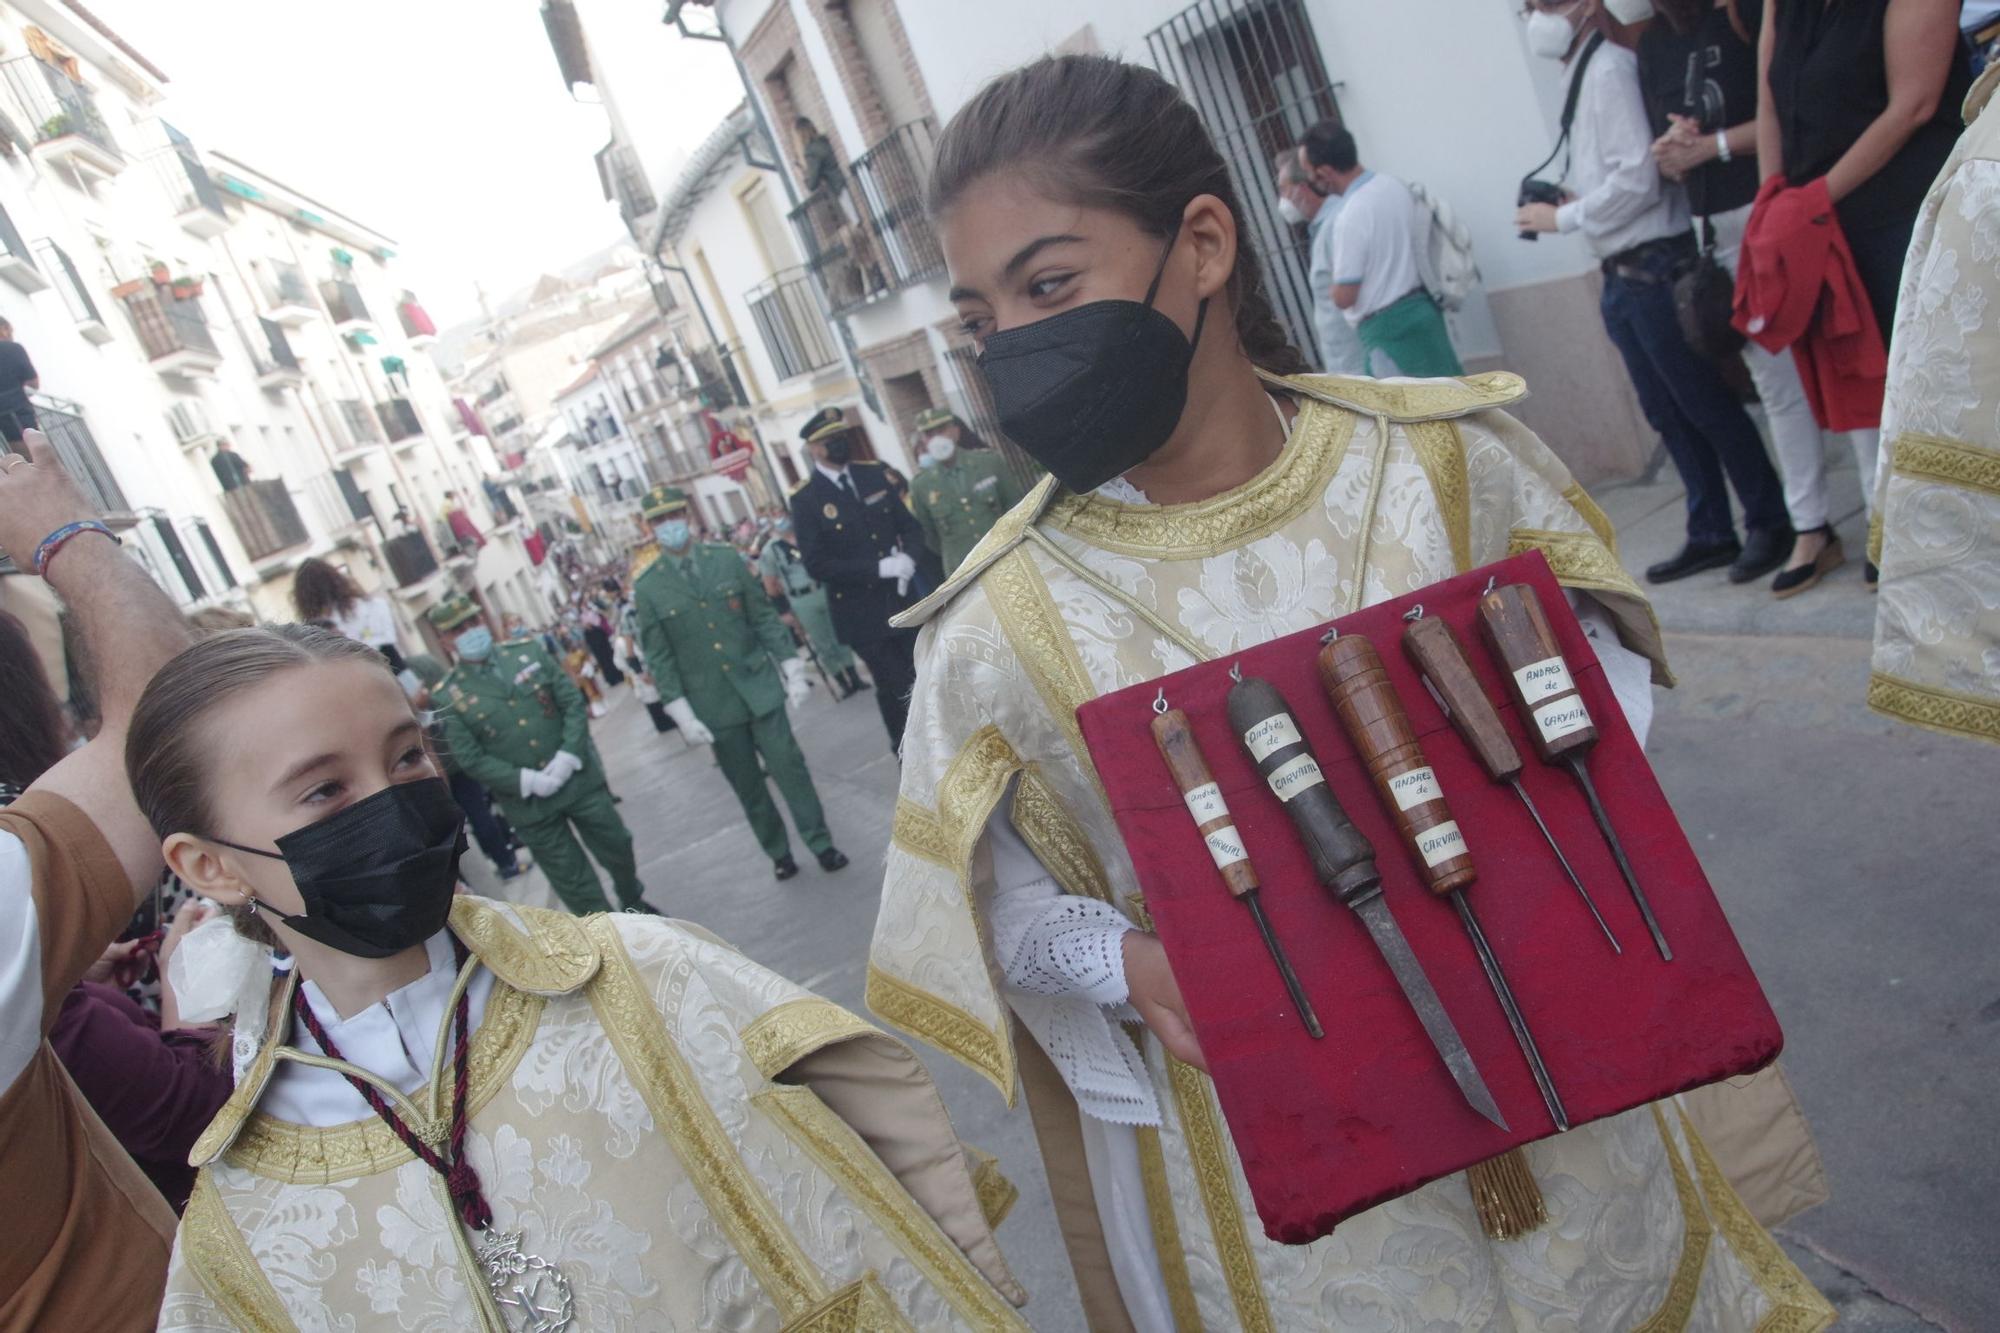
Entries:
{"x":1329,"y":1128}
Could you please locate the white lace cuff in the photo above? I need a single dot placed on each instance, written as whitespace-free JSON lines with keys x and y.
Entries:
{"x":1054,"y":944}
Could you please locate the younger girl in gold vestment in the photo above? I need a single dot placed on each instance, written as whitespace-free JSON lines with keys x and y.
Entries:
{"x":454,"y":1114}
{"x":1206,"y":496}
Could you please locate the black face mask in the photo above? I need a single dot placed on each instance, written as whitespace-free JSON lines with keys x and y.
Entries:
{"x":377,"y":877}
{"x":839,"y":450}
{"x":1092,"y":392}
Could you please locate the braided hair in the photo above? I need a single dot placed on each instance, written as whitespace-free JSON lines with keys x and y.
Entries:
{"x":1101,"y":133}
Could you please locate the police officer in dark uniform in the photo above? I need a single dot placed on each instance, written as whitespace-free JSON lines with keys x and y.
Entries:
{"x":864,"y":545}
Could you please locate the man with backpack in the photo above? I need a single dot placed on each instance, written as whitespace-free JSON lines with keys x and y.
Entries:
{"x":1381,"y":243}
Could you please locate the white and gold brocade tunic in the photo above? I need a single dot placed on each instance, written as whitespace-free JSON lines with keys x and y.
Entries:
{"x":646,"y":1109}
{"x":1382,"y":488}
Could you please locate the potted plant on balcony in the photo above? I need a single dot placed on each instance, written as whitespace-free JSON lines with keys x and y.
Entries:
{"x":132,"y":288}
{"x":186,"y":288}
{"x":56,"y":126}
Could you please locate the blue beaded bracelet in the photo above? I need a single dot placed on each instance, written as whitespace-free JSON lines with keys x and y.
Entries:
{"x":54,"y":541}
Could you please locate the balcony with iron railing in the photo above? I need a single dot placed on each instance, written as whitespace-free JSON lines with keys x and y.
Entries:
{"x":787,"y":314}
{"x":265,"y":519}
{"x":17,"y":264}
{"x":344,"y":303}
{"x":190,"y":193}
{"x":359,"y":425}
{"x":173,"y":330}
{"x":410,"y":558}
{"x":63,"y":422}
{"x":624,"y":180}
{"x":61,"y":116}
{"x":277,"y":364}
{"x":62,"y":272}
{"x":287,"y":297}
{"x":892,"y":244}
{"x":418,"y":326}
{"x":399,"y":419}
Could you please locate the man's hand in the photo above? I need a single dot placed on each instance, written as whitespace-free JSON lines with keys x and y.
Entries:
{"x":36,"y":498}
{"x":691,"y":727}
{"x":1536,"y":217}
{"x":1157,"y":997}
{"x":562,"y":768}
{"x":535,"y":782}
{"x":797,"y":688}
{"x":899,"y":566}
{"x":1683,"y":148}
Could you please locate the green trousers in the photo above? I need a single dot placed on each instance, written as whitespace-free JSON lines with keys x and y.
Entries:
{"x":736,"y":751}
{"x":817,"y":621}
{"x":551,"y":827}
{"x":1412,"y":333}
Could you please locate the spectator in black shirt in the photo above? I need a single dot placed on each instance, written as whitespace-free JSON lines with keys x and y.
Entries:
{"x":232,"y":470}
{"x":1698,"y":71}
{"x":17,"y":376}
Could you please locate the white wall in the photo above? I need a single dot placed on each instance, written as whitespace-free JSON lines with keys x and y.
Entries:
{"x":659,"y":89}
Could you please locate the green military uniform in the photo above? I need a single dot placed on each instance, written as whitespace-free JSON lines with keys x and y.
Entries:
{"x":781,"y":560}
{"x":711,"y":637}
{"x":517,"y":710}
{"x":960,"y":498}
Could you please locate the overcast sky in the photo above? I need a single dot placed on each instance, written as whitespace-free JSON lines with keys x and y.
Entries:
{"x":442,"y":123}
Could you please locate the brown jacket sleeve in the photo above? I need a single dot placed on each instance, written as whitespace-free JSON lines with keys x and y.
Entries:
{"x":82,"y":898}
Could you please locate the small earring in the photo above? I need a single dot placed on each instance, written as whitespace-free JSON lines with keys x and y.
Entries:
{"x":251,"y":909}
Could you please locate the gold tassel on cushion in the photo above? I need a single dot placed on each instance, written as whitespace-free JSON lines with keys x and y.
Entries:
{"x":1505,"y":1192}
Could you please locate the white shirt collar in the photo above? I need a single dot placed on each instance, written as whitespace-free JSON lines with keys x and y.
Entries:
{"x":832,"y":474}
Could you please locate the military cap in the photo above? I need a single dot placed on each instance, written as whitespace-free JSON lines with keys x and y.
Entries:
{"x":935,"y":418}
{"x":452,"y":612}
{"x":663,"y":502}
{"x":826,"y":422}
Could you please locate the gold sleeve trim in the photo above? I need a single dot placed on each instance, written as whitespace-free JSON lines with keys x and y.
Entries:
{"x":1796,"y":1305}
{"x":1696,"y":1236}
{"x":302,"y":1155}
{"x":1580,"y":560}
{"x":781,"y":1037}
{"x":216,"y":1253}
{"x":738,"y":1206}
{"x":1002,"y":537}
{"x":1167,"y":1233}
{"x":1404,"y":401}
{"x":1440,"y":449}
{"x":988,"y":1050}
{"x":845,"y":1156}
{"x":1032,"y":626}
{"x":922,"y":834}
{"x":1929,"y":458}
{"x":997,"y":1194}
{"x":1934,"y":709}
{"x":862,"y":1306}
{"x":1274,"y":497}
{"x":1600,"y":522}
{"x":553,"y":957}
{"x":1057,"y":840}
{"x":1216,"y":1177}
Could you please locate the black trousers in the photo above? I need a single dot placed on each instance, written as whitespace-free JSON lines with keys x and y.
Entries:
{"x":489,"y":826}
{"x":892,"y":662}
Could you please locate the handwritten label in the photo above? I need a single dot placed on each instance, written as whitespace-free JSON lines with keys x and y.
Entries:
{"x":1271,"y":735}
{"x":1415,"y":787}
{"x":1205,"y":803}
{"x":1440,"y":844}
{"x":1294,"y":776}
{"x":1562,"y":717}
{"x":1226,"y":847}
{"x":1544,"y":679}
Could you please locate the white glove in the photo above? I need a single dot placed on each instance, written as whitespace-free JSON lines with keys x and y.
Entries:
{"x":563,"y":767}
{"x":899,"y":567}
{"x":797,"y":688}
{"x":535,"y":782}
{"x":689,"y":724}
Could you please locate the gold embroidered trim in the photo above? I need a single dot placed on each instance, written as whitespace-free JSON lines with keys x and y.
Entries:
{"x":862,"y":1306}
{"x":1936,"y":709}
{"x":1167,"y":1232}
{"x":1409,"y":400}
{"x":1441,"y":451}
{"x":1030,"y":623}
{"x":845,"y":1156}
{"x":735,"y":1201}
{"x":1600,"y":522}
{"x":1057,"y":840}
{"x":1875,"y":536}
{"x":1580,"y":560}
{"x":997,"y":1194}
{"x":1696,"y":1236}
{"x":1796,"y":1305}
{"x":780,"y":1037}
{"x":919,"y":832}
{"x":999,"y":539}
{"x":242,"y":1102}
{"x":216,"y":1253}
{"x":303,"y":1155}
{"x":1202,"y":1128}
{"x":943,"y":1025}
{"x":1929,"y":458}
{"x":1269,"y":500}
{"x":553,"y":957}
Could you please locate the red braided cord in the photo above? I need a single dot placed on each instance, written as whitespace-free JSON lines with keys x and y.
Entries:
{"x":460,"y":1178}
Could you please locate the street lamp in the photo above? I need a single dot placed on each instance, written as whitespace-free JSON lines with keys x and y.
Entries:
{"x":671,"y":372}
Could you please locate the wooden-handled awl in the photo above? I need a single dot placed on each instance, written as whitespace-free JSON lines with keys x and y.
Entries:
{"x":1344,"y":863}
{"x":1372,"y":714}
{"x":1212,"y":820}
{"x":1433,"y":645}
{"x":1553,"y":711}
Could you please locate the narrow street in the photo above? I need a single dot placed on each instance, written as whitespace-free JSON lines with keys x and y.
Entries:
{"x":1853,"y":854}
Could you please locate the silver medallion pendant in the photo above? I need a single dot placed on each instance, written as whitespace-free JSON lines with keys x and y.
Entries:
{"x":532,"y":1292}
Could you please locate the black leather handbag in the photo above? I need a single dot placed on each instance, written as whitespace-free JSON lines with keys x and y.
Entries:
{"x":1705,"y":300}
